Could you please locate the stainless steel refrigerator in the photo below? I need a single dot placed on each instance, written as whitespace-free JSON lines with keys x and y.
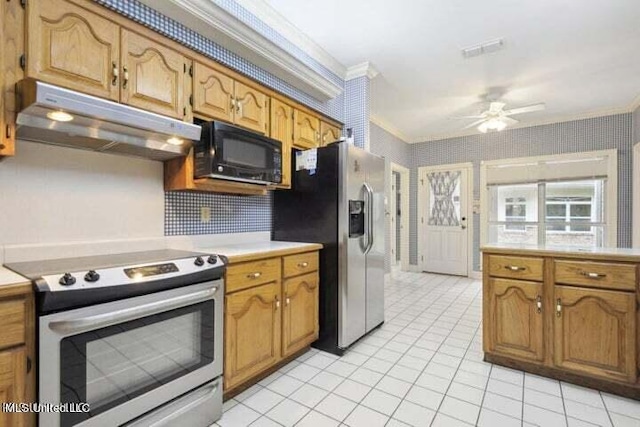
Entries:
{"x":341,"y":205}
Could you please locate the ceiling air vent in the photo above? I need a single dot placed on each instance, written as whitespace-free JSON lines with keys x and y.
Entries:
{"x":481,"y":49}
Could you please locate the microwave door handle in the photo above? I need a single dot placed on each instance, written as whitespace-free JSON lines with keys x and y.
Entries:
{"x":369,"y":207}
{"x":83,"y":324}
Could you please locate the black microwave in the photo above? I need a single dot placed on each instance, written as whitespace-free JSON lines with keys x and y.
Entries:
{"x":229,"y":152}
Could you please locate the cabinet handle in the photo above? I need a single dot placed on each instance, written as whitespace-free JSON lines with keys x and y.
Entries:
{"x":539,"y":304}
{"x":29,"y":364}
{"x":515,"y":268}
{"x":303,"y":264}
{"x":558,"y":307}
{"x":593,"y":275}
{"x":238,"y":107}
{"x":125,"y":76}
{"x":233,"y":104}
{"x":115,"y":73}
{"x":277,"y":303}
{"x":318,"y":136}
{"x":254,"y":275}
{"x":287,"y":301}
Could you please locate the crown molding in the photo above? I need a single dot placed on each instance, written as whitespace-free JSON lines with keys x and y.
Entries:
{"x":213,"y":22}
{"x":274,"y":19}
{"x":559,"y":119}
{"x":388,"y":127}
{"x":361,"y":70}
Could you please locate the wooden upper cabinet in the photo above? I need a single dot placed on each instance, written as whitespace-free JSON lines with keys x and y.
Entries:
{"x":252,"y":108}
{"x":328,"y":133}
{"x":306,"y":130}
{"x":212,"y":93}
{"x":252,"y":332}
{"x":152,"y":76}
{"x":13,"y":386}
{"x":300,"y":314}
{"x":282,"y":130}
{"x":595,"y":332}
{"x":515,"y":319}
{"x":72,"y":47}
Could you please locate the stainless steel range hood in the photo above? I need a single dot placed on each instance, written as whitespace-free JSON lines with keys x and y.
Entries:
{"x":97,"y":124}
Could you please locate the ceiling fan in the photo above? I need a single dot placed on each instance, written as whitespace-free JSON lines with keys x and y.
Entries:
{"x":496,"y":118}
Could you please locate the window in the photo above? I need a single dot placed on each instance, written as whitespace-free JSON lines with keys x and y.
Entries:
{"x":567,"y":200}
{"x":515,"y":210}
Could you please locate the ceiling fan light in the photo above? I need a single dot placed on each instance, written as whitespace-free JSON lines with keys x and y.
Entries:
{"x":484,"y":127}
{"x":492,"y":124}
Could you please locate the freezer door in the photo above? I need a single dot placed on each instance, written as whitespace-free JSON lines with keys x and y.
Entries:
{"x":375,"y":172}
{"x":352,"y":285}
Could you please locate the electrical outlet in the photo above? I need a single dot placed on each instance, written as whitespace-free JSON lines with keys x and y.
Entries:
{"x":205,"y":214}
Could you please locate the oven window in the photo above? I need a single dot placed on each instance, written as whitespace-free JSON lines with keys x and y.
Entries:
{"x":108,"y":366}
{"x":243,"y":153}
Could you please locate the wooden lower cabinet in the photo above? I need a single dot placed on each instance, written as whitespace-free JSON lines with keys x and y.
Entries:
{"x":515,"y":318}
{"x":595,"y":332}
{"x":300,"y":323}
{"x":252,"y":332}
{"x":13,"y":384}
{"x":268,"y":322}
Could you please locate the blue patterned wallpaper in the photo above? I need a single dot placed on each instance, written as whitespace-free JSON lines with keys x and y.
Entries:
{"x":395,"y":150}
{"x":569,"y":137}
{"x":357,"y":108}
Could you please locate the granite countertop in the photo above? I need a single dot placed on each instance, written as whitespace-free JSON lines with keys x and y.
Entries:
{"x":250,"y":251}
{"x":8,"y":277}
{"x":622,"y":254}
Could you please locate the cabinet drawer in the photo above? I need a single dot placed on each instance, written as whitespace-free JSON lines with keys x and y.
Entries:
{"x":300,"y":264}
{"x":250,"y":274}
{"x":12,"y":319}
{"x":516,"y":267}
{"x":596,"y":274}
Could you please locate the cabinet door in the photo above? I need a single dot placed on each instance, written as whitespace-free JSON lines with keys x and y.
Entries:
{"x":252,"y":332}
{"x":594,"y":332}
{"x":72,"y":47}
{"x":300,"y":314}
{"x":212,"y":93}
{"x":252,"y":108}
{"x":328,"y":133}
{"x":516,"y":319}
{"x":12,"y":384}
{"x":152,"y":76}
{"x":282,"y":130}
{"x":306,"y":130}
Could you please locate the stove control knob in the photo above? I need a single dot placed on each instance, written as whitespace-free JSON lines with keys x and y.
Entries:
{"x":199,"y":261}
{"x":67,"y":280}
{"x":92,"y":276}
{"x":212,"y":259}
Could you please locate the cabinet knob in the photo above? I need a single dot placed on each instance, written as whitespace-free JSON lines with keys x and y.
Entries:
{"x":593,"y":275}
{"x":558,"y":307}
{"x":277,"y":303}
{"x":254,"y":275}
{"x":515,"y":268}
{"x":287,"y":301}
{"x":125,"y":77}
{"x":539,"y":304}
{"x":114,"y":74}
{"x":303,"y":264}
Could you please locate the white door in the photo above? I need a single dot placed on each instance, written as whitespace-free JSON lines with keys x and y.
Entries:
{"x":444,"y":220}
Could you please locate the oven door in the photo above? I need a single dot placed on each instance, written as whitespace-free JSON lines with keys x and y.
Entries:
{"x":128,"y":357}
{"x":245,"y":156}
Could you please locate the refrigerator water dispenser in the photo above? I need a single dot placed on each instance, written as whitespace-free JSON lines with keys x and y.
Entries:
{"x":356,"y":218}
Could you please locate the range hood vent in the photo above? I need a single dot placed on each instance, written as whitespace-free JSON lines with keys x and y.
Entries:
{"x":54,"y":115}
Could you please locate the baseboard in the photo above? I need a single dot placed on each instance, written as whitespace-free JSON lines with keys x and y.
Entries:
{"x":414,"y":268}
{"x":477,"y":275}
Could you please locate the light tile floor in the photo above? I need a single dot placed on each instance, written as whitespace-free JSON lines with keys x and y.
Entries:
{"x":423,"y":367}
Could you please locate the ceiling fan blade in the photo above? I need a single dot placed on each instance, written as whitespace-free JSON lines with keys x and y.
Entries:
{"x":476,"y":123}
{"x":496,"y":107}
{"x":509,"y":121}
{"x":527,"y":109}
{"x":480,"y":116}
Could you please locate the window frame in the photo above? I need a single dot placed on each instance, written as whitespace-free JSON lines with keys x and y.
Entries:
{"x":610,"y":223}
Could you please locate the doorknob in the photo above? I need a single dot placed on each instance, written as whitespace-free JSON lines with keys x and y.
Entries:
{"x":464,"y":227}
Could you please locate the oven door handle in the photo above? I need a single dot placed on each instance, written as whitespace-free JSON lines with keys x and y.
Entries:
{"x":89,"y":323}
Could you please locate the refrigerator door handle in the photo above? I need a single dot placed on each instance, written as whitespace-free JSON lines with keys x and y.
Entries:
{"x":369,"y":207}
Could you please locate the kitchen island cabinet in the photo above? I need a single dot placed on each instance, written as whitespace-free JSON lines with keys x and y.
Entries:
{"x":563,"y":313}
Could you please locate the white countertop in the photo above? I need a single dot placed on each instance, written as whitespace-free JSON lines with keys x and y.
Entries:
{"x":256,"y":248}
{"x":8,"y":277}
{"x":616,"y":252}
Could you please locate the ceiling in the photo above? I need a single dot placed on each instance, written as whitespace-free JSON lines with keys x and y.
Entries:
{"x":580,"y":57}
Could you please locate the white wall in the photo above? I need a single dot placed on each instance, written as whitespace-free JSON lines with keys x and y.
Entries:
{"x":51,"y":194}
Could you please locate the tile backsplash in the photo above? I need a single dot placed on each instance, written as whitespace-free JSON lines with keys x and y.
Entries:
{"x":229,"y":213}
